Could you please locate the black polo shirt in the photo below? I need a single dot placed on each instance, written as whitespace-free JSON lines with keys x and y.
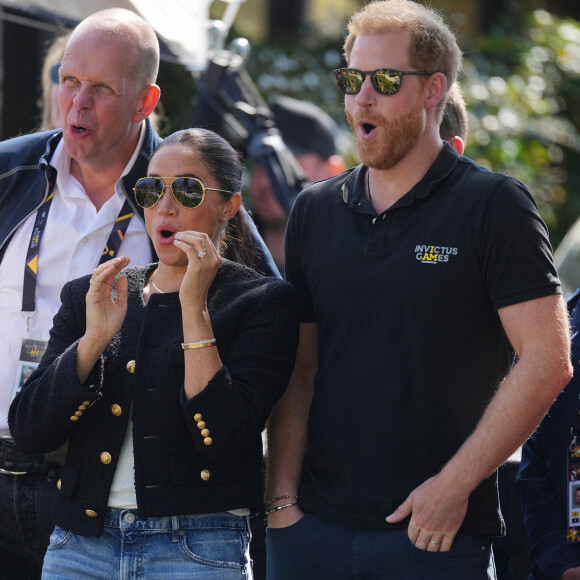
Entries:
{"x":411,"y":347}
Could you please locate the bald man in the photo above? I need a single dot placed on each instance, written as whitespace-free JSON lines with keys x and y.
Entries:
{"x":66,"y":201}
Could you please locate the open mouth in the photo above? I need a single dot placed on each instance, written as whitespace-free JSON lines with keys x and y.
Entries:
{"x":165,"y":235}
{"x":78,"y":129}
{"x":367,"y":128}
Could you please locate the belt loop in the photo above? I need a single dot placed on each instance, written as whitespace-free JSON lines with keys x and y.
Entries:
{"x":175,"y":531}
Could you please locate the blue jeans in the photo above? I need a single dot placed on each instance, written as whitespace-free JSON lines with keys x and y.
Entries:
{"x":25,"y":524}
{"x":196,"y":547}
{"x":313,"y":549}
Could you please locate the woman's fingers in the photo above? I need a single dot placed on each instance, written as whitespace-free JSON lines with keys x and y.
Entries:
{"x":196,"y":243}
{"x":203,"y":261}
{"x":105,"y":273}
{"x":104,"y":315}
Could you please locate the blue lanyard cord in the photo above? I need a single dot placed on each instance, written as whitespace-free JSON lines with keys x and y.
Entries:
{"x":31,"y":267}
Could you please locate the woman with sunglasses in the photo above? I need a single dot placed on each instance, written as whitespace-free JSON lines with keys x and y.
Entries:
{"x":161,"y":379}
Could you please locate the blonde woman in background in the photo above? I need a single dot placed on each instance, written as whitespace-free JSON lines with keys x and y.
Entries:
{"x":50,"y":81}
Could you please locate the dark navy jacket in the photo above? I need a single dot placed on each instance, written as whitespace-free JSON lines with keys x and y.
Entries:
{"x":542,"y":476}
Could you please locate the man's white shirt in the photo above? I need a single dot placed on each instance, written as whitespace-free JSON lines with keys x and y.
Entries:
{"x":71,"y":246}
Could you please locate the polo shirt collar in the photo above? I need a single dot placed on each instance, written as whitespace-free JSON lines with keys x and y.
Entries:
{"x":353,"y":190}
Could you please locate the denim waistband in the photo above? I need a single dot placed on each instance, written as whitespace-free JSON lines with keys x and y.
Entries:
{"x":127,"y":519}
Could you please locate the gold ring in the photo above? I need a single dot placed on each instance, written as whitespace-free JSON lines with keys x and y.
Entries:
{"x":201,"y":253}
{"x":95,"y":284}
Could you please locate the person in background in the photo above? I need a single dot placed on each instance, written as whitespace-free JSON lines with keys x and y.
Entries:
{"x":420,"y":276}
{"x":310,"y":134}
{"x":161,"y":380}
{"x":567,"y":259}
{"x":455,"y":122}
{"x":547,"y":477}
{"x":50,"y":80}
{"x":65,"y":206}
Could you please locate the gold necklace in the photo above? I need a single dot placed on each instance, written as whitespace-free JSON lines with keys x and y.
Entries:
{"x":155,"y":285}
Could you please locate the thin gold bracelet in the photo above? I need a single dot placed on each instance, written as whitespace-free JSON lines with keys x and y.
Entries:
{"x":280,"y":507}
{"x":198,"y":344}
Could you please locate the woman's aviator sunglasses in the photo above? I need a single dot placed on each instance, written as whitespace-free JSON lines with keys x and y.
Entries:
{"x":187,"y":191}
{"x":384,"y":81}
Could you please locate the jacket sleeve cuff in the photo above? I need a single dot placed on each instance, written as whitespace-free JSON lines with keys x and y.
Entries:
{"x":208,"y":418}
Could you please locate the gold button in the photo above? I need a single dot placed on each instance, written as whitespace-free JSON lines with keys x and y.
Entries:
{"x":201,"y":425}
{"x":116,"y":410}
{"x":197,"y":417}
{"x":205,"y":474}
{"x":59,"y":484}
{"x":87,"y":403}
{"x":105,"y":457}
{"x":204,"y":432}
{"x":91,"y":513}
{"x":82,"y":407}
{"x":78,"y":413}
{"x":74,"y":418}
{"x":131,"y":366}
{"x":208,"y":441}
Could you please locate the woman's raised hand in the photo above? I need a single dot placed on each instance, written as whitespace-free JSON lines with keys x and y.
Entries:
{"x":105,"y":316}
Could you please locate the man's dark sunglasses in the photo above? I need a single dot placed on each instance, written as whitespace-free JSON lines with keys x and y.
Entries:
{"x":385,"y":81}
{"x":188,"y":191}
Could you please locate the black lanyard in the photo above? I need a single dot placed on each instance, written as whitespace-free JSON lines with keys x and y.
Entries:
{"x":31,"y":267}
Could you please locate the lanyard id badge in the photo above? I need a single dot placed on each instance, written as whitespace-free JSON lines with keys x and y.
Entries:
{"x":573,"y":535}
{"x":31,"y":352}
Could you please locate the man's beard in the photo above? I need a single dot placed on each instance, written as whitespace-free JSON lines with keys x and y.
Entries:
{"x":398,"y":137}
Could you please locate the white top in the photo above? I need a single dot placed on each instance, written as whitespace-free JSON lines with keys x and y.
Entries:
{"x":122,"y":494}
{"x":71,"y":246}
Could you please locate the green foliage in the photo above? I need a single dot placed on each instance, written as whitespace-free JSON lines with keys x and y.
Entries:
{"x":522,"y":87}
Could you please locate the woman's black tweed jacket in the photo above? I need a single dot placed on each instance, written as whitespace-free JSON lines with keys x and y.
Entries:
{"x":255,"y":324}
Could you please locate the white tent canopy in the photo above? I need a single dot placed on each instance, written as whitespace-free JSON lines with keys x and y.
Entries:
{"x":182,"y":24}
